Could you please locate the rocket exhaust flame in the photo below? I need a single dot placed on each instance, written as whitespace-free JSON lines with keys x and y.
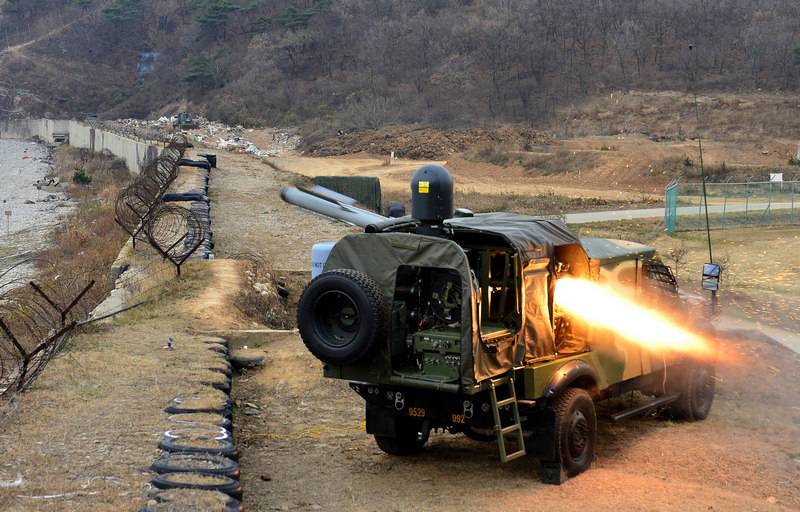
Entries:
{"x":606,"y":308}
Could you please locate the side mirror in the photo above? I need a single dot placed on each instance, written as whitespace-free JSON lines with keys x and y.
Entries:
{"x":710,"y":279}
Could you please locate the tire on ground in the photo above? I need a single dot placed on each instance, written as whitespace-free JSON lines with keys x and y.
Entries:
{"x":574,"y":430}
{"x":201,"y":418}
{"x":696,"y":383}
{"x":342,"y":316}
{"x":483,"y":435}
{"x":191,"y":500}
{"x":208,"y":443}
{"x":202,"y":463}
{"x":410,"y":437}
{"x":198,"y":481}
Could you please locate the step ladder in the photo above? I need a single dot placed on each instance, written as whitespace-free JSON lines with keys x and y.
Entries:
{"x":513,"y":429}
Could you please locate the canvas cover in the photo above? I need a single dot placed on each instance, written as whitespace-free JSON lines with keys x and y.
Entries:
{"x":380,"y":255}
{"x":608,"y":250}
{"x":535,"y":239}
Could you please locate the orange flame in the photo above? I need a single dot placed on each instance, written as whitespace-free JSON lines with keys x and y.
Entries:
{"x":606,"y":308}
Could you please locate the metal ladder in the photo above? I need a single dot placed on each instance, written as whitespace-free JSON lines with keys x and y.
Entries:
{"x":515,"y":428}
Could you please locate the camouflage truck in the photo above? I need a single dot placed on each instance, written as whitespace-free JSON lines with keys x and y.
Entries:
{"x":446,"y":320}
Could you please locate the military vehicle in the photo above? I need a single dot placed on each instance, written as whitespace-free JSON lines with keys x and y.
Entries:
{"x":446,"y":319}
{"x":184,"y":122}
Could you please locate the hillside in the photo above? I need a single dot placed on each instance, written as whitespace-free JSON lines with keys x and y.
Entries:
{"x":360,"y":64}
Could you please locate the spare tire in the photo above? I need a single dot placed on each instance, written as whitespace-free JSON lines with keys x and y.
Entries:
{"x":341,"y":316}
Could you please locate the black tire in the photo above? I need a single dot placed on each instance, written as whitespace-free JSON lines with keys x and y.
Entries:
{"x":206,"y":441}
{"x":200,"y":418}
{"x":177,"y":500}
{"x":240,"y":360}
{"x":199,"y":481}
{"x":203,"y":463}
{"x":574,"y":430}
{"x":410,"y":437}
{"x":341,"y":316}
{"x":483,"y":435}
{"x":181,"y":405}
{"x":696,"y":384}
{"x":224,"y":368}
{"x":214,"y":347}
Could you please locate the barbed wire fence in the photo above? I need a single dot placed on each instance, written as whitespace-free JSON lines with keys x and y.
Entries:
{"x":41,"y":304}
{"x":732,"y":204}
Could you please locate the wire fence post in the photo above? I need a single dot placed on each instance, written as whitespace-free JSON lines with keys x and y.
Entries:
{"x":747,"y":197}
{"x":768,"y":211}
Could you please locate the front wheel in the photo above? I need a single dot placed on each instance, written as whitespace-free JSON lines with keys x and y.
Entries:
{"x":574,"y":432}
{"x":409,"y":438}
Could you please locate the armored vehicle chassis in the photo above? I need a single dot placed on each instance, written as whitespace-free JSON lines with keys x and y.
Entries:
{"x":459,"y":331}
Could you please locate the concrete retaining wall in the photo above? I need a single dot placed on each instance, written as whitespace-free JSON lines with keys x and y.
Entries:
{"x":135,"y":153}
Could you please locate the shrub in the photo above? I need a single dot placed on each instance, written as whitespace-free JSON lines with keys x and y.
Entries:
{"x":492,"y":154}
{"x":80,"y":176}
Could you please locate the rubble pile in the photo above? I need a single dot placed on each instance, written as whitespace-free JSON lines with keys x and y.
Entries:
{"x":417,"y":142}
{"x":212,"y":134}
{"x":241,"y":140}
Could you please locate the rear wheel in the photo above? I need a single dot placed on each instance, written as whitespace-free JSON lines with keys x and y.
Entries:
{"x":696,"y":385}
{"x":409,"y":438}
{"x":574,"y":431}
{"x":484,"y":435}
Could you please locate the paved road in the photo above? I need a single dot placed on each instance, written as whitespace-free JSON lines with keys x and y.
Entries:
{"x":651,"y":213}
{"x":788,"y":339}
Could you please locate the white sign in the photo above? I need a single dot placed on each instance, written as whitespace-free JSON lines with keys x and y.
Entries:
{"x":776,"y":177}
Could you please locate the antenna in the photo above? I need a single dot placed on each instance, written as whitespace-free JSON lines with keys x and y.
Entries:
{"x":711,"y":271}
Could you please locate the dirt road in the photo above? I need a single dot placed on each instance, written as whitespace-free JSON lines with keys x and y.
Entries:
{"x":250,"y":218}
{"x":307,"y":450}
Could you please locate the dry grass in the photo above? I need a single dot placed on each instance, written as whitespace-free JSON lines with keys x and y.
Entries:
{"x":547,"y":204}
{"x":673,"y":115}
{"x":88,"y":240}
{"x":545,"y":164}
{"x":90,"y":426}
{"x":561,"y":161}
{"x":259,"y":299}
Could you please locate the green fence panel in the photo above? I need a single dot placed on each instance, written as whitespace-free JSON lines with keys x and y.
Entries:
{"x":730,"y":204}
{"x":364,"y":189}
{"x":670,"y":207}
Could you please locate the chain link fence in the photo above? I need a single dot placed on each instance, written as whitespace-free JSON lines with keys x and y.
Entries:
{"x":731,"y":204}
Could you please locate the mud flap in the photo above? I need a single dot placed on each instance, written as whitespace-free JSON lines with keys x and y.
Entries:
{"x":553,"y":473}
{"x":542,"y":445}
{"x":380,"y":421}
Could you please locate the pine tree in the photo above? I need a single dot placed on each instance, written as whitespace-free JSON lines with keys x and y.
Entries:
{"x":200,"y":71}
{"x":123,"y":11}
{"x":216,"y":14}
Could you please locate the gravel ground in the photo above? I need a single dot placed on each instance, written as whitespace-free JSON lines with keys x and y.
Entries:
{"x":34,"y":213}
{"x":307,"y":450}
